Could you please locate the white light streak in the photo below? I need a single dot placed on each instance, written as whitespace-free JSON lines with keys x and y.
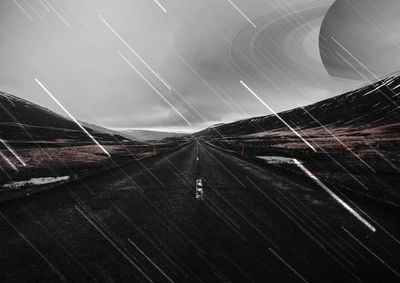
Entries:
{"x":279,"y":117}
{"x":159,"y":4}
{"x":136,"y":70}
{"x":288,"y":265}
{"x":362,"y":75}
{"x":151,"y":261}
{"x":365,"y":67}
{"x":73,"y":118}
{"x":113,"y":244}
{"x":243,"y":14}
{"x":335,"y":196}
{"x":58,"y":15}
{"x":132,"y":50}
{"x":44,"y":5}
{"x":76,"y":15}
{"x":23,"y":10}
{"x":369,"y":250}
{"x":8,"y":161}
{"x":52,"y":267}
{"x":338,"y":140}
{"x":13,"y":152}
{"x":352,"y":56}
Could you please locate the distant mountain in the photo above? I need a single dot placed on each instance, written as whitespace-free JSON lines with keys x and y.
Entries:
{"x":371,"y":106}
{"x":24,"y":123}
{"x":146,"y":135}
{"x":109,"y":131}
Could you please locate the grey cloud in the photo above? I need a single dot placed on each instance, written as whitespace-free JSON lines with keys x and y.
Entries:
{"x":83,"y":70}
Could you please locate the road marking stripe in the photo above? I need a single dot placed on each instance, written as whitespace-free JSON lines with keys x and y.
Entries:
{"x":199,"y":189}
{"x":335,"y":196}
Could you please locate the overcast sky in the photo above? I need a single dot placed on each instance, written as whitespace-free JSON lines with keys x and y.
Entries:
{"x":179,"y":64}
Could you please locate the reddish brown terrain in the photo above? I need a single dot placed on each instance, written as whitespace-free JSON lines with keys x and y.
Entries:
{"x":355,"y":135}
{"x":36,"y":143}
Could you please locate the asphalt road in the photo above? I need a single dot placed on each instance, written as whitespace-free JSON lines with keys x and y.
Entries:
{"x":143,"y":223}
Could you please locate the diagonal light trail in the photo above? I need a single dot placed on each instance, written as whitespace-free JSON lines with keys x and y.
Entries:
{"x":76,"y":15}
{"x":23,"y":10}
{"x":277,"y":115}
{"x":8,"y":161}
{"x":371,"y":252}
{"x":184,"y":62}
{"x":13,"y":152}
{"x":59,"y":15}
{"x":44,"y":5}
{"x":288,"y":265}
{"x":159,"y":93}
{"x":132,"y":50}
{"x":73,"y":118}
{"x":161,"y":6}
{"x":366,"y":78}
{"x":243,"y":14}
{"x":151,"y":261}
{"x":51,"y":266}
{"x":114,"y":244}
{"x":338,"y":140}
{"x":335,"y":196}
{"x":354,"y":57}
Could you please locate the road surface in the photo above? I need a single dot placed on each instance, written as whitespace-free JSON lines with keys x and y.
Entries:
{"x":143,"y":223}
